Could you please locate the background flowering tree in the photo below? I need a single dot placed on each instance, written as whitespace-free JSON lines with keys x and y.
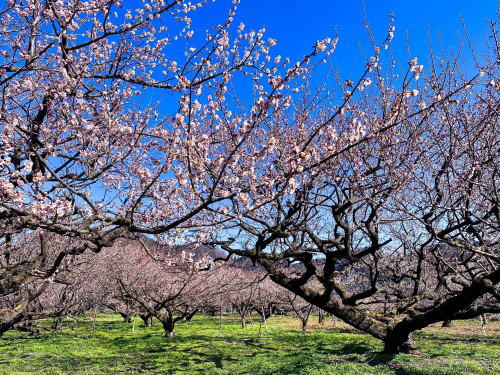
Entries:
{"x":252,"y":291}
{"x":170,"y":284}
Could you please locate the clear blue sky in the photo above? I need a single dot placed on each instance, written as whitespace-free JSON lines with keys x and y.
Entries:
{"x":297,"y":24}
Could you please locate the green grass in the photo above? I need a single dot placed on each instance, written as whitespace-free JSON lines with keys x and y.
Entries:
{"x":200,"y":347}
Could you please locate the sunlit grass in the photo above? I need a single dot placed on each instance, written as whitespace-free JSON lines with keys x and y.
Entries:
{"x":204,"y":346}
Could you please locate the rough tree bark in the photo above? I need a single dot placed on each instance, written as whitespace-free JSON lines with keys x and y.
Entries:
{"x":147,"y":319}
{"x":127,"y":318}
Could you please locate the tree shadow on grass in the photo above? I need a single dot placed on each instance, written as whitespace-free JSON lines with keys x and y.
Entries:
{"x":413,"y":371}
{"x":277,"y":352}
{"x":477,"y":339}
{"x":302,"y":358}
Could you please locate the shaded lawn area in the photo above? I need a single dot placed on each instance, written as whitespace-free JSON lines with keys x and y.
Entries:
{"x":201,"y":347}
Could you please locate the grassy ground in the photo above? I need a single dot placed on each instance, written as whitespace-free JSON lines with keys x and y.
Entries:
{"x":204,"y":347}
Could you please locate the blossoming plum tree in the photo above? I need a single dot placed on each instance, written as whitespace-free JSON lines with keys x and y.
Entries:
{"x":399,"y":231}
{"x":87,"y":150}
{"x":90,"y":150}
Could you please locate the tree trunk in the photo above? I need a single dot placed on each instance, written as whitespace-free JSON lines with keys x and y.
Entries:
{"x":95,"y":318}
{"x":147,"y":319}
{"x":334,"y":320}
{"x":243,"y":322}
{"x":304,"y":327}
{"x":220,"y":318}
{"x":168,"y":327}
{"x":4,"y":328}
{"x":321,"y":317}
{"x":447,"y":323}
{"x":483,"y":322}
{"x":27,"y":326}
{"x":190,"y":316}
{"x":398,"y":342}
{"x":264,"y":316}
{"x":9,"y":319}
{"x":57,"y":321}
{"x":127,"y":318}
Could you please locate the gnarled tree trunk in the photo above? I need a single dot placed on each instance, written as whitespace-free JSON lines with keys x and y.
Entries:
{"x":398,"y":342}
{"x":447,"y":323}
{"x":168,"y":325}
{"x":147,"y":319}
{"x":127,"y":318}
